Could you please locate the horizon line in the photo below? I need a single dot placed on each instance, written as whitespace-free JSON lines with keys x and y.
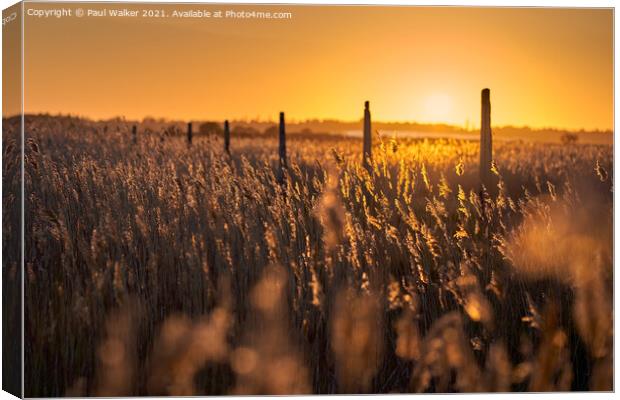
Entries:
{"x":306,"y":120}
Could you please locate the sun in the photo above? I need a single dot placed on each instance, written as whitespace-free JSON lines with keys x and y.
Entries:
{"x":438,"y":107}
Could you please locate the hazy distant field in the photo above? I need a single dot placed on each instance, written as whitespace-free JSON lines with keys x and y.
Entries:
{"x":605,"y":138}
{"x":162,"y":268}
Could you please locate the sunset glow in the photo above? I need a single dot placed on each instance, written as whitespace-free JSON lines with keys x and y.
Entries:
{"x":438,"y":107}
{"x":545,"y":67}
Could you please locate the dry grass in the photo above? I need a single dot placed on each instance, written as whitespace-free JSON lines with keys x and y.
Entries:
{"x":162,"y":269}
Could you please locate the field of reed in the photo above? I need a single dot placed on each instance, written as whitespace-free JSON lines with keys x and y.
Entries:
{"x":159,"y":268}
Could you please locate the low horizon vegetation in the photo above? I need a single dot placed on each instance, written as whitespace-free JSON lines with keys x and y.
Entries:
{"x":327,"y":126}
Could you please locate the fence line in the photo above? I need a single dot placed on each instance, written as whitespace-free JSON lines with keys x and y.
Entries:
{"x":486,"y":139}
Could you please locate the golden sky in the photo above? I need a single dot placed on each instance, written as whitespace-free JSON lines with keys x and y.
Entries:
{"x":545,"y":67}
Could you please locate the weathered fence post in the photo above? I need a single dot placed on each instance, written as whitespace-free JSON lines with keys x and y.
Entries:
{"x":134,"y":134}
{"x":486,"y":143}
{"x":226,"y":137}
{"x":189,"y":133}
{"x":282,"y":148}
{"x":367,"y":134}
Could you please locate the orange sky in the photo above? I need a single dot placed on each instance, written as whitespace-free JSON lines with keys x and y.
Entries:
{"x":545,"y":67}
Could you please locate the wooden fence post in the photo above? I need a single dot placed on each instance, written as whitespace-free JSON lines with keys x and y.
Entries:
{"x":282,"y":148}
{"x":367,"y":134}
{"x":189,"y":133}
{"x":486,"y":143}
{"x":134,"y":134}
{"x":226,"y":137}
